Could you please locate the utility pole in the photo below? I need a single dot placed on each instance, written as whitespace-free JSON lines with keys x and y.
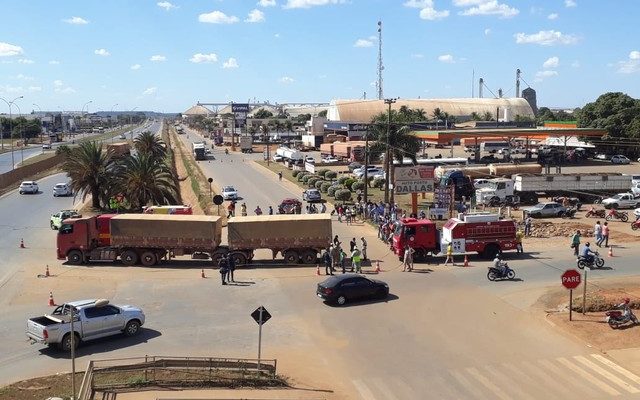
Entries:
{"x":366,"y":174}
{"x":388,"y":162}
{"x":380,"y":65}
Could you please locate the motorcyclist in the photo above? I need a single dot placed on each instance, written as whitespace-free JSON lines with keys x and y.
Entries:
{"x":587,"y":253}
{"x":499,"y":265}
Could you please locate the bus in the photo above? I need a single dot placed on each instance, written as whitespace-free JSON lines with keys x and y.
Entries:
{"x":493,"y":147}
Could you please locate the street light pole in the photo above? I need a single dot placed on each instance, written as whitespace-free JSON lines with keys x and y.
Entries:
{"x":41,"y":131}
{"x":132,"y":110}
{"x":10,"y":103}
{"x":387,"y":152}
{"x":85,"y":105}
{"x":21,"y":136}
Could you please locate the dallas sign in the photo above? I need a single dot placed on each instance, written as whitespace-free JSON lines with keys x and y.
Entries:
{"x":414,"y":179}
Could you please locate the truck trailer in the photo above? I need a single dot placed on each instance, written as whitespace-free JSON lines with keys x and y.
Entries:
{"x":199,"y":151}
{"x":150,"y":238}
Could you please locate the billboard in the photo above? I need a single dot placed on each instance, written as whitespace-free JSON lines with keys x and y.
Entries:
{"x":413,"y":179}
{"x":239,"y":107}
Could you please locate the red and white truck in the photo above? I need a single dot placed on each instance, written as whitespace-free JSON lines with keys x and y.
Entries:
{"x":485,"y":234}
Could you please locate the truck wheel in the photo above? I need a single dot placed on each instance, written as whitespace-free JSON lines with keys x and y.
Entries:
{"x":149,"y":258}
{"x":75,"y":257}
{"x":132,"y":328}
{"x":491,"y":251}
{"x":309,"y":257}
{"x":129,"y":257}
{"x":291,"y":257}
{"x":239,"y":258}
{"x":65,"y":344}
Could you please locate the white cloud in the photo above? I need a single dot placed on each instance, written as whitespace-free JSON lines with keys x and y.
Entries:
{"x":546,"y":38}
{"x":575,"y":64}
{"x":363,"y":43}
{"x":166,"y":5}
{"x":427,"y":9}
{"x":76,"y":21}
{"x":158,"y":58}
{"x":446,"y":58}
{"x":150,"y":91}
{"x":24,"y":77}
{"x":541,"y":75}
{"x":255,"y":15}
{"x":267,"y":3}
{"x":417,"y":55}
{"x":276,"y":35}
{"x":7,"y":50}
{"x":286,"y":79}
{"x":101,"y":52}
{"x":487,"y":32}
{"x":199,"y":58}
{"x":34,"y":88}
{"x":631,"y":65}
{"x":59,"y":87}
{"x":231,"y":63}
{"x":553,"y":16}
{"x":218,"y":17}
{"x":486,"y":7}
{"x":54,"y":62}
{"x":136,"y":66}
{"x":26,"y":61}
{"x":58,"y":83}
{"x":570,"y":3}
{"x":310,"y":3}
{"x":551,"y":62}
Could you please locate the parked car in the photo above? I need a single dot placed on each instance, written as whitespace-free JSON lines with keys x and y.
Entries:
{"x":330,"y":160}
{"x":620,"y":159}
{"x":57,"y":218}
{"x":488,"y":159}
{"x":28,"y":187}
{"x":370,"y":172}
{"x":601,"y":156}
{"x":46,"y":146}
{"x":310,"y":160}
{"x":549,"y":209}
{"x":621,"y":200}
{"x":229,"y":193}
{"x":341,"y":289}
{"x":93,"y":319}
{"x":289,"y":205}
{"x":122,"y":136}
{"x":635,"y":189}
{"x":504,"y":151}
{"x":354,"y":165}
{"x":62,"y":189}
{"x":311,"y":195}
{"x":277,"y":158}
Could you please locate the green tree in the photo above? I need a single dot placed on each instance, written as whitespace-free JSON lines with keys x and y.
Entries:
{"x":545,"y":114}
{"x":475,"y":116}
{"x":322,"y":114}
{"x":263,"y":114}
{"x":144,"y":180}
{"x":616,"y":112}
{"x":437,"y":113}
{"x":90,"y":170}
{"x":149,"y":143}
{"x":488,"y":116}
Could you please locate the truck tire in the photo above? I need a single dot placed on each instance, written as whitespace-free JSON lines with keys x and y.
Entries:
{"x":129,"y":257}
{"x":65,"y":344}
{"x":239,"y":258}
{"x":132,"y":328}
{"x":491,"y":251}
{"x":75,"y":257}
{"x":291,"y":257}
{"x":309,"y":257}
{"x":149,"y":258}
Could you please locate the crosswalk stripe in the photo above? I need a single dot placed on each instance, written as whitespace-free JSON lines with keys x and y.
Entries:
{"x":588,"y":377}
{"x":607,"y":374}
{"x":364,"y":391}
{"x":384,"y":389}
{"x":549,"y":381}
{"x":403,"y":390}
{"x":520,"y":394}
{"x":464,"y":382}
{"x":516,"y":371}
{"x":487,"y":383}
{"x":628,"y":374}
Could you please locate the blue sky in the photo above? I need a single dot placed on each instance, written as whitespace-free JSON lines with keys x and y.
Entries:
{"x":166,"y":55}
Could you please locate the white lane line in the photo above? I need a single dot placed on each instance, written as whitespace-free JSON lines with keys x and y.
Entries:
{"x":588,"y":377}
{"x":628,"y":374}
{"x":363,"y":389}
{"x":403,"y":390}
{"x":384,"y":389}
{"x":464,"y":382}
{"x":486,"y":382}
{"x":607,"y":374}
{"x":550,"y":382}
{"x":520,"y":394}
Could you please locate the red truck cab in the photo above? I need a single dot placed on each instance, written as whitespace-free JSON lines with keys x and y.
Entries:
{"x":81,"y":234}
{"x":420,"y":234}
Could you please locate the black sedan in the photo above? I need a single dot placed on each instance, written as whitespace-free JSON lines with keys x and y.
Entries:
{"x":348,"y":287}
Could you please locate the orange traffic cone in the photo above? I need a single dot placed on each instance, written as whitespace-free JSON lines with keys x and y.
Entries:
{"x":51,"y":302}
{"x":610,"y":251}
{"x":22,"y":244}
{"x":318,"y":269}
{"x":202,"y":273}
{"x":466,"y":261}
{"x":378,"y":270}
{"x":46,"y":271}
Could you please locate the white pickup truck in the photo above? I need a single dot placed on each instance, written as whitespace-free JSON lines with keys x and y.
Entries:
{"x":93,"y":319}
{"x":621,"y":200}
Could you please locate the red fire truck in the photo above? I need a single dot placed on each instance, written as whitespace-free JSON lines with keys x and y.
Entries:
{"x":485,"y":234}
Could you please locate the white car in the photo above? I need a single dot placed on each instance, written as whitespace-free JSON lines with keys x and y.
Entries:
{"x":310,"y":160}
{"x":277,"y":158}
{"x":229,"y":193}
{"x":62,"y":189}
{"x":46,"y":146}
{"x":122,"y":136}
{"x":620,"y":159}
{"x":601,"y":156}
{"x":621,"y":200}
{"x":370,"y":172}
{"x":28,"y":187}
{"x":330,"y":160}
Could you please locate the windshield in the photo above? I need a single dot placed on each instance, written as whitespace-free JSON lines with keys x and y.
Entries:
{"x":65,"y":229}
{"x":617,"y":197}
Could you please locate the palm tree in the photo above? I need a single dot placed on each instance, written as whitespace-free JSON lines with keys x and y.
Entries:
{"x":90,"y":170}
{"x":488,"y":116}
{"x":475,"y":116}
{"x":148,"y":143}
{"x":144,"y":180}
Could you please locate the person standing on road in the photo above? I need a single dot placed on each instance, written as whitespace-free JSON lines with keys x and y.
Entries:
{"x":605,"y":234}
{"x":527,"y":226}
{"x":326,"y":258}
{"x":575,"y":243}
{"x":336,"y":241}
{"x":223,"y":265}
{"x":597,"y":233}
{"x":407,"y":264}
{"x":270,"y":210}
{"x":280,"y":176}
{"x":258,"y":210}
{"x":243,"y":209}
{"x":355,"y":261}
{"x":231,"y":208}
{"x":519,"y":237}
{"x":449,"y":255}
{"x":323,"y":208}
{"x":364,"y":248}
{"x":231,"y":267}
{"x":352,"y":244}
{"x":343,"y":257}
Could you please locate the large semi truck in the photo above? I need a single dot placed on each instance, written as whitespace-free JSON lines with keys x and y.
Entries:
{"x":199,"y":151}
{"x":150,"y":238}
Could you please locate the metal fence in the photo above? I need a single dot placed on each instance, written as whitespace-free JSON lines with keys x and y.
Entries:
{"x":112,"y":374}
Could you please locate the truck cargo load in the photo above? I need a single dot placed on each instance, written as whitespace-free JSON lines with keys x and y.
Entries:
{"x":512,"y":169}
{"x":119,"y":149}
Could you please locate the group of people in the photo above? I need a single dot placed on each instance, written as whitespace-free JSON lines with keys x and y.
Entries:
{"x":600,"y":234}
{"x":335,"y":257}
{"x":227,"y":266}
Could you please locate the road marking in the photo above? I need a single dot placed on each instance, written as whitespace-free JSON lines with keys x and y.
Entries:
{"x":488,"y":383}
{"x":365,"y":393}
{"x":520,"y":394}
{"x":630,"y":375}
{"x":588,"y":377}
{"x":549,"y":381}
{"x":404,"y":391}
{"x":384,"y":389}
{"x":607,"y":374}
{"x":471,"y":389}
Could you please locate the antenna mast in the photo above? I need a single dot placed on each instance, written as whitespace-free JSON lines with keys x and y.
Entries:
{"x":380,"y":66}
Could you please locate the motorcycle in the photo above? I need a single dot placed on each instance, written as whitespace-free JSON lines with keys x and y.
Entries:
{"x":595,"y":213}
{"x":621,"y":315}
{"x":495,"y":273}
{"x":569,"y":212}
{"x":598,"y":261}
{"x":635,"y":224}
{"x":615,"y":214}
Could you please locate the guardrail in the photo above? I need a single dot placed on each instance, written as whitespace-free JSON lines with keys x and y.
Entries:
{"x":118,"y":373}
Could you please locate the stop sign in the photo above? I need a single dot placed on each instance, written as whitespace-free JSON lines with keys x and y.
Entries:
{"x":571,"y":279}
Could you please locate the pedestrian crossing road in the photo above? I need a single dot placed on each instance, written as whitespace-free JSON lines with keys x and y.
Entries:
{"x":591,"y":376}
